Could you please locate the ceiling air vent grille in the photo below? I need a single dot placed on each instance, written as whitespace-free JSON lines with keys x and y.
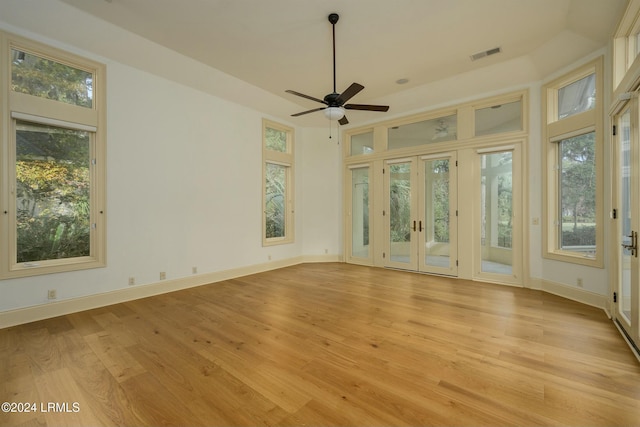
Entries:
{"x":485,"y":53}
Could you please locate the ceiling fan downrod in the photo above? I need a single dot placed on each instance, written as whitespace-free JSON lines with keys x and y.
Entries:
{"x":333,"y":18}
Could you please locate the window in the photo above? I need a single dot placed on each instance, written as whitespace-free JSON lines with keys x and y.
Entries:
{"x":626,"y":46}
{"x":577,"y":193}
{"x":362,"y":143}
{"x":577,"y":97}
{"x":573,"y":162}
{"x":277,"y":187}
{"x":359,"y":212}
{"x":53,"y":196}
{"x":498,"y":118}
{"x":423,"y":132}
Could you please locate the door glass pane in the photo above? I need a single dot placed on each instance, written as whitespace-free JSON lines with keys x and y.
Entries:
{"x":425,"y":132}
{"x":275,"y":191}
{"x":496,"y":212}
{"x":362,"y":143}
{"x":52,"y":192}
{"x":48,"y":79}
{"x":400,"y":212}
{"x":275,"y":140}
{"x":577,"y":97}
{"x":499,"y":118}
{"x":360,"y":212}
{"x":436,"y":208}
{"x":625,"y":215}
{"x":577,"y":169}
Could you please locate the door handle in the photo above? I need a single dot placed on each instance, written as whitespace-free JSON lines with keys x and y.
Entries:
{"x":420,"y":226}
{"x":414,"y":226}
{"x":633,"y":247}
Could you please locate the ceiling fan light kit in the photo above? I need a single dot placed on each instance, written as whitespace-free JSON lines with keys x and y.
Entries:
{"x":335,"y":102}
{"x":334,"y":113}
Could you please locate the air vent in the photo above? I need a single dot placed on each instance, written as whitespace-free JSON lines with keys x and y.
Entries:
{"x":486,"y":53}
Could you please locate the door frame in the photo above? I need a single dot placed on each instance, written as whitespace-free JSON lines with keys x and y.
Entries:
{"x":630,"y":328}
{"x":518,"y":215}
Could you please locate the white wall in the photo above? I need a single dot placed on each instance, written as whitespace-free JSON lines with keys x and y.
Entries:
{"x":321,"y":191}
{"x":183,"y":179}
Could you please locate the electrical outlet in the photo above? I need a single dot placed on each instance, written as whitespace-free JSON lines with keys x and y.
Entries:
{"x":132,"y":281}
{"x":269,"y":257}
{"x":52,"y":294}
{"x":194,"y":270}
{"x":326,"y":251}
{"x":163,"y":275}
{"x":579,"y":281}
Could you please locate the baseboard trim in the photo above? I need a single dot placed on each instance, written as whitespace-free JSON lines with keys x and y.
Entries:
{"x":60,"y":308}
{"x":579,"y":295}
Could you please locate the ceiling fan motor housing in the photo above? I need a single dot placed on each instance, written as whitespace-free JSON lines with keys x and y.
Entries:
{"x":332,"y":100}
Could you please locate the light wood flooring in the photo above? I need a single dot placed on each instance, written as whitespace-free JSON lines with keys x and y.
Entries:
{"x":323,"y":345}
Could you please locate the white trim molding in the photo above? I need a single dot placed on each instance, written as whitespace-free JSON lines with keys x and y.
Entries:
{"x":579,"y":295}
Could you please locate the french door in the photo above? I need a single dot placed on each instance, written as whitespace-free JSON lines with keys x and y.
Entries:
{"x":627,"y":297}
{"x":421,"y":213}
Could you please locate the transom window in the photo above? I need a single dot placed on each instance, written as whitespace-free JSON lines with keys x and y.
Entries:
{"x":34,"y":75}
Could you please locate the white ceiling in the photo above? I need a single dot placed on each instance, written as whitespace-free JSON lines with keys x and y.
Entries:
{"x":286,"y":44}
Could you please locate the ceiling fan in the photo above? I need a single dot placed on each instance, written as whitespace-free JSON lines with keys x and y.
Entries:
{"x":335,"y":102}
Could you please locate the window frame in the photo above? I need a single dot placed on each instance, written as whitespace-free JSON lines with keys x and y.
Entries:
{"x":554,"y":130}
{"x":29,"y":108}
{"x":286,"y":159}
{"x":626,"y":51}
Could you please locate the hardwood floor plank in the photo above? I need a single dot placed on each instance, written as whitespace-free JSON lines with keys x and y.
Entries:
{"x":62,"y":401}
{"x":115,"y":358}
{"x":40,"y":348}
{"x":327,"y":344}
{"x":155,"y":405}
{"x":101,"y":390}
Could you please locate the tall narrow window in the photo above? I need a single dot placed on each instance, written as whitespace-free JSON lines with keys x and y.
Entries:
{"x":275,"y":200}
{"x":573,"y":160}
{"x":54,"y":217}
{"x":53,"y":194}
{"x":496,"y":212}
{"x":277,"y":195}
{"x":577,"y":194}
{"x":360,"y":197}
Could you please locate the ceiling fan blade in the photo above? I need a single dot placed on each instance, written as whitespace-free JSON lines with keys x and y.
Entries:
{"x":293,"y":92}
{"x":343,"y":121}
{"x":349,"y":93}
{"x":308,"y":111}
{"x":367,"y":107}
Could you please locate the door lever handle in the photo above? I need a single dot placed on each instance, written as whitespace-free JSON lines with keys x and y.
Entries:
{"x":420,"y":226}
{"x":633,"y":246}
{"x":414,"y":226}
